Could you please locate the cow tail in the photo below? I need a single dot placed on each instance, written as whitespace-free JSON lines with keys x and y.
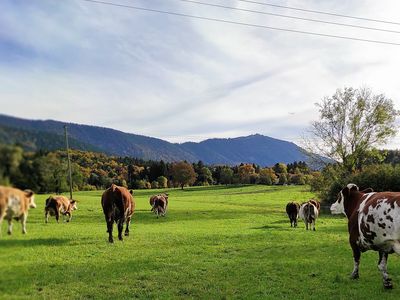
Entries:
{"x":47,"y":202}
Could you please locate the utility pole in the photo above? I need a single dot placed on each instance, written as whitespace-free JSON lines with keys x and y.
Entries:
{"x":69,"y":162}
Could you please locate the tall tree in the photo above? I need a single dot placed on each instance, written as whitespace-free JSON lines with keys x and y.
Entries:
{"x":226,"y":175}
{"x":183,"y":174}
{"x":352,"y":123}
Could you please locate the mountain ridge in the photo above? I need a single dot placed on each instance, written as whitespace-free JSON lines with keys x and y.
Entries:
{"x":255,"y":148}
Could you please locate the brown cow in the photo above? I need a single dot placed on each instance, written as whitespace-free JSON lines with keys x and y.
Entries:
{"x":373,"y":224}
{"x":14,"y":204}
{"x":59,"y":205}
{"x":292,"y":210}
{"x":159,"y":204}
{"x":118,"y":206}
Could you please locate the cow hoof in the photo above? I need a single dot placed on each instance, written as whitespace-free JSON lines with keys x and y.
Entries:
{"x":127,"y":233}
{"x":354,"y":276}
{"x":120,"y":238}
{"x":388,"y":284}
{"x":314,"y":229}
{"x":111,"y":241}
{"x":9,"y":232}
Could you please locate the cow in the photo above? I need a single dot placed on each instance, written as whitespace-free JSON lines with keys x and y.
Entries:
{"x":14,"y":204}
{"x":59,"y":205}
{"x":118,"y":206}
{"x":316,"y":203}
{"x":309,"y":213}
{"x":373,"y":224}
{"x":159,"y":204}
{"x":292,"y":210}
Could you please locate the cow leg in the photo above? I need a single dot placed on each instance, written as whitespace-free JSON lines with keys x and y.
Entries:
{"x":306,"y":225}
{"x":23,"y":222}
{"x":57,"y":213}
{"x":382,"y":266}
{"x":46,"y":216}
{"x":128,"y":223}
{"x":120,"y":228}
{"x":10,"y":226}
{"x":313,"y":224}
{"x":356,"y":256}
{"x":110,"y":224}
{"x":1,"y":220}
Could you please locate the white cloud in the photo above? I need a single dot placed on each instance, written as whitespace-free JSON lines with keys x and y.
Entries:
{"x":183,"y":79}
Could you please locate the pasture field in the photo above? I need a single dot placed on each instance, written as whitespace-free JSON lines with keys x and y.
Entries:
{"x":215,"y":243}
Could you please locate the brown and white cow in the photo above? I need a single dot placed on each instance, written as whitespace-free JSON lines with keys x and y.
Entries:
{"x":309,"y":213}
{"x":373,"y":224}
{"x":292,"y":210}
{"x":159,"y":204}
{"x":118,"y":206}
{"x":14,"y":204}
{"x":59,"y":205}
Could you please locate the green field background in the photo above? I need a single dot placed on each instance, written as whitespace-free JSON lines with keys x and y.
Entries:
{"x":215,"y":243}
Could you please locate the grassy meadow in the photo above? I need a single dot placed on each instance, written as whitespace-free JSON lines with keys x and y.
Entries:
{"x":215,"y":243}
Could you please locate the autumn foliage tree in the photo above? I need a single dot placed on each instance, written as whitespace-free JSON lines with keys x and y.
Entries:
{"x":183,"y":173}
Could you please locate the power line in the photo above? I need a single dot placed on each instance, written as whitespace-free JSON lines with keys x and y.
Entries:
{"x":320,"y":12}
{"x":243,"y":24}
{"x":289,"y":17}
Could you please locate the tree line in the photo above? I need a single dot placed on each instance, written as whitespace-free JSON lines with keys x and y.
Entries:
{"x":46,"y":171}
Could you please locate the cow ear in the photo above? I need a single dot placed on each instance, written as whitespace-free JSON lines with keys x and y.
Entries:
{"x":354,"y":188}
{"x":346,"y":191}
{"x":131,"y":192}
{"x":28,"y":193}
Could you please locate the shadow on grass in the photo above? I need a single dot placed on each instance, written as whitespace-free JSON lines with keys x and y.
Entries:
{"x":147,"y":217}
{"x":8,"y":243}
{"x":267,"y":227}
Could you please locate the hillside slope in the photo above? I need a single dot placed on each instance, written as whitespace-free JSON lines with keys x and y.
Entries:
{"x":48,"y":135}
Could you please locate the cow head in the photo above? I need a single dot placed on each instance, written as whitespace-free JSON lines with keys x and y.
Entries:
{"x":31,"y":198}
{"x":339,"y":206}
{"x":73,"y":205}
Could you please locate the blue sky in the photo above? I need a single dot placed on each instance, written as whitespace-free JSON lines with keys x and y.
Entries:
{"x":182,"y":79}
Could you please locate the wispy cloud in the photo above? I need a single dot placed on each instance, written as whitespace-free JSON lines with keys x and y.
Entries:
{"x":184,"y":79}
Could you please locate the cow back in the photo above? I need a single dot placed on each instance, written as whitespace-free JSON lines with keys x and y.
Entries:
{"x":15,"y":200}
{"x":119,"y":200}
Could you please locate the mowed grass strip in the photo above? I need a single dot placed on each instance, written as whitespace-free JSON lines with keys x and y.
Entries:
{"x":215,"y":243}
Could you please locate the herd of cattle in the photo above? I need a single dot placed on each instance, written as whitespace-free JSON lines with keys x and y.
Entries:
{"x":308,"y":211}
{"x":117,"y":202}
{"x":373,"y":223}
{"x":373,"y":217}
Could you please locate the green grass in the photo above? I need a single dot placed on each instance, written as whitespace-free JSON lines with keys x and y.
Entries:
{"x":214,"y":243}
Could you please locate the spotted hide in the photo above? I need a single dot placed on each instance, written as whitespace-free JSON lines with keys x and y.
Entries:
{"x":309,"y":213}
{"x":118,"y":206}
{"x":292,"y":210}
{"x":373,"y":223}
{"x":14,"y":204}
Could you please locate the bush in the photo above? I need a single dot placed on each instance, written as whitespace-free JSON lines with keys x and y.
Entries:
{"x":379,"y":177}
{"x":154,"y":185}
{"x":162,"y":182}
